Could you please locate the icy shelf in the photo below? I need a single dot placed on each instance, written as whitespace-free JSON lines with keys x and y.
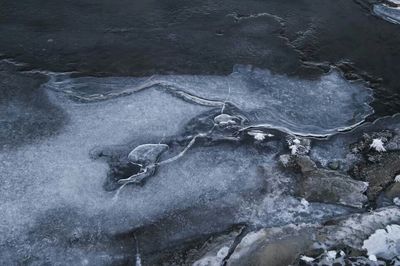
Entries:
{"x":303,"y":107}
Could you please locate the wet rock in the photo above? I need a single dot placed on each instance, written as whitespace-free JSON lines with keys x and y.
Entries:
{"x":393,"y":191}
{"x":272,"y":246}
{"x":380,"y":161}
{"x":380,"y":173}
{"x":339,"y":242}
{"x":329,"y":186}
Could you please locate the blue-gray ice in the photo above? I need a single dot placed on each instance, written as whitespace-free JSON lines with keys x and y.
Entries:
{"x":304,"y":107}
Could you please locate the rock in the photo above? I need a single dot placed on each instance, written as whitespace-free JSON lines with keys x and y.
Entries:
{"x":346,"y":241}
{"x":329,"y":186}
{"x":370,"y":141}
{"x":340,"y":242}
{"x":380,"y":173}
{"x":393,"y":191}
{"x":394,"y":143}
{"x":272,"y":246}
{"x":334,"y":165}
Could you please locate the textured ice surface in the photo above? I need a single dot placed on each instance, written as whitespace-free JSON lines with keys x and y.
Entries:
{"x":54,"y":207}
{"x":304,"y":107}
{"x":391,"y":14}
{"x":52,"y":199}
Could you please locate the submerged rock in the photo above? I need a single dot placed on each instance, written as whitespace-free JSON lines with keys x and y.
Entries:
{"x":145,"y":156}
{"x":226,"y":120}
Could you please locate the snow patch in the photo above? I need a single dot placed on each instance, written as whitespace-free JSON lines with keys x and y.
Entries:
{"x":384,"y":243}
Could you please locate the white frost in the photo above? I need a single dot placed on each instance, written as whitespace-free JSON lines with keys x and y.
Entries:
{"x":307,"y":259}
{"x":259,"y":135}
{"x":377,"y":144}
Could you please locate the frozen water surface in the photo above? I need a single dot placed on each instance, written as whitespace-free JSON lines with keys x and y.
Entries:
{"x":53,"y":202}
{"x":304,"y":107}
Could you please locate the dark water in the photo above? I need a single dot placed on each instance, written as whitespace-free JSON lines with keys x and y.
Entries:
{"x":71,"y":145}
{"x":143,"y":37}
